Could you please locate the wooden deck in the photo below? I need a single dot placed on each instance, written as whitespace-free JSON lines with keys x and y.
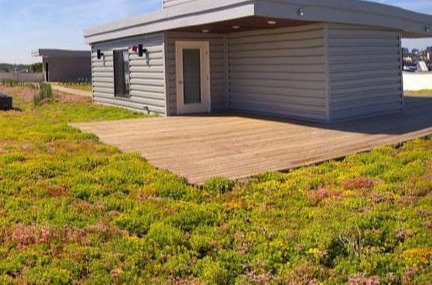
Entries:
{"x":236,"y":146}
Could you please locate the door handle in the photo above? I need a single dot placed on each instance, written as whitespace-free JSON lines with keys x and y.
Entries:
{"x":180,"y":82}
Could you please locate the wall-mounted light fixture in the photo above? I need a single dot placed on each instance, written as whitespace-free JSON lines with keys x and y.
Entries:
{"x":205,"y":31}
{"x":271,"y":22}
{"x":428,"y":28}
{"x":141,"y":50}
{"x":99,"y":54}
{"x":300,"y":12}
{"x":236,"y":27}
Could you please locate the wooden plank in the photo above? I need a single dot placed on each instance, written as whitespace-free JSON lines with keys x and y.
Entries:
{"x":237,"y":146}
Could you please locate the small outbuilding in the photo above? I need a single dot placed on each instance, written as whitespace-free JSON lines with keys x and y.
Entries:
{"x":317,"y":60}
{"x":65,"y":65}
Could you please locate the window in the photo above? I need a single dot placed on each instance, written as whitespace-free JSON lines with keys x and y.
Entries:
{"x":121,"y":73}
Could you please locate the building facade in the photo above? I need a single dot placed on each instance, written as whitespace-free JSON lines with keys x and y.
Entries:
{"x":65,"y":65}
{"x":324,"y":61}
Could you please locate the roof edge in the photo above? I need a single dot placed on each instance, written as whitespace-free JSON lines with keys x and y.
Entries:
{"x":166,"y":15}
{"x":409,"y":23}
{"x":61,"y":53}
{"x":350,"y":12}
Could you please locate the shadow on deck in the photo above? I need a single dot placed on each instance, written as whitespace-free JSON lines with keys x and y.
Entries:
{"x":236,"y":146}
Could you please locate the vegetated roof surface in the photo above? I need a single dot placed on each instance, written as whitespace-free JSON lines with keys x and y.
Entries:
{"x":74,"y":210}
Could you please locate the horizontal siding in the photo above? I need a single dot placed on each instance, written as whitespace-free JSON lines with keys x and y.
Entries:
{"x":134,"y":106}
{"x":102,"y":72}
{"x":147,"y":75}
{"x":280,"y":72}
{"x":172,"y":3}
{"x":364,"y":71}
{"x":217,"y":69}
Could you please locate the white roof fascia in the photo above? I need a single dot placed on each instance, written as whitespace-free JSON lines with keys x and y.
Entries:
{"x":193,"y":14}
{"x":349,"y":12}
{"x":61,"y":53}
{"x":212,"y":11}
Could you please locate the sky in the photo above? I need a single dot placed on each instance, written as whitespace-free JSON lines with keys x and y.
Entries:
{"x":27,"y":25}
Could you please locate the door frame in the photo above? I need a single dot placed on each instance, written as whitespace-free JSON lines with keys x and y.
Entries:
{"x":46,"y":67}
{"x":205,"y":105}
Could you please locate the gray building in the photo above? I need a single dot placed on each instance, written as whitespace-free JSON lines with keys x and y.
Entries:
{"x":65,"y":65}
{"x":318,"y":60}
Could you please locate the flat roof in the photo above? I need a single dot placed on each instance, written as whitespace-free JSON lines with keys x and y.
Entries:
{"x":61,"y":53}
{"x":202,"y":12}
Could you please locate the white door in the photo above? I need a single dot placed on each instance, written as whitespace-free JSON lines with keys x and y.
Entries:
{"x":193,"y":77}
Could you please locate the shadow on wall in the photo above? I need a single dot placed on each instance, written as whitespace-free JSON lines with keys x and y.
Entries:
{"x":416,"y":116}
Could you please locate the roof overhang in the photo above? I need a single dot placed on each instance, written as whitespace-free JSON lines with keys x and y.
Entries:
{"x":205,"y":12}
{"x":61,"y":53}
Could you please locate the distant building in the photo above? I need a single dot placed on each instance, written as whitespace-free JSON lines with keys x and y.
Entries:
{"x":65,"y":65}
{"x":428,"y":57}
{"x":407,"y":55}
{"x":428,"y":54}
{"x":409,"y":60}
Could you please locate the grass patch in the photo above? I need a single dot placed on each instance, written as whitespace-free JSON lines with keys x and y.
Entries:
{"x":75,"y":211}
{"x":85,"y":86}
{"x":418,"y":92}
{"x":45,"y":94}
